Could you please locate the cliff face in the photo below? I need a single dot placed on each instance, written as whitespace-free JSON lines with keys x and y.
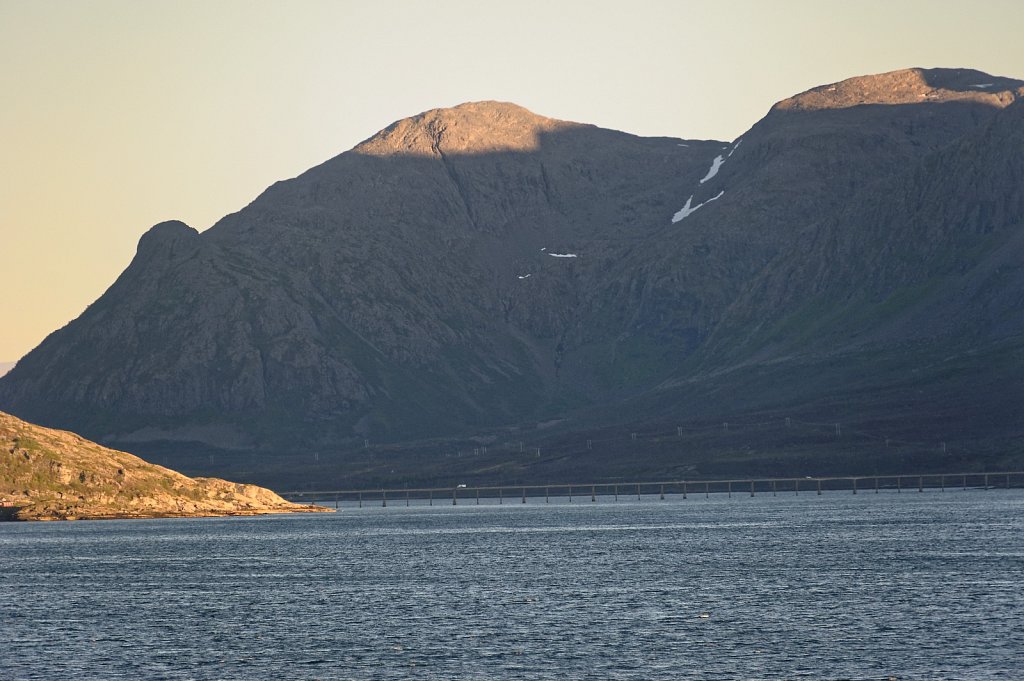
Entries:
{"x":55,"y":475}
{"x":482,"y":267}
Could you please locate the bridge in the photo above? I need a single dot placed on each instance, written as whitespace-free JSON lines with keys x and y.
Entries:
{"x":678,"y":488}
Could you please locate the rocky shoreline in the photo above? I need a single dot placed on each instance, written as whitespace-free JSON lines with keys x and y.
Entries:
{"x":50,"y":474}
{"x":33,"y":513}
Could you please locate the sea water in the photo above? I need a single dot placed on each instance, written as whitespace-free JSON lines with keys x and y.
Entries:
{"x":912,"y":585}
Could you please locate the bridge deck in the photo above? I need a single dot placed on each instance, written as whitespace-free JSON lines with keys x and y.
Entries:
{"x":857,"y":483}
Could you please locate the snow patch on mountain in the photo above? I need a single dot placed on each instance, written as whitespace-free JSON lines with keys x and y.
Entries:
{"x":685,"y":210}
{"x":689,"y":209}
{"x":713,"y":170}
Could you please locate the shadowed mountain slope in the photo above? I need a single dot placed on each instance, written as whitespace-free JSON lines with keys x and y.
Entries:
{"x":482,"y":268}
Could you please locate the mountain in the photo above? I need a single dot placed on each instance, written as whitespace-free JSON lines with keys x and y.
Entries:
{"x":6,"y":366}
{"x":54,"y":475}
{"x":476,"y":278}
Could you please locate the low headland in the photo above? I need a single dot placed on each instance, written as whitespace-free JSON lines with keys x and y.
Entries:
{"x":50,"y":474}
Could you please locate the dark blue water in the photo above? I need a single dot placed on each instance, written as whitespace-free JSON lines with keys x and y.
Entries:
{"x":919,"y":586}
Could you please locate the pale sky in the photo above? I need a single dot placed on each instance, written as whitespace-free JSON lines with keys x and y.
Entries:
{"x":118,"y":114}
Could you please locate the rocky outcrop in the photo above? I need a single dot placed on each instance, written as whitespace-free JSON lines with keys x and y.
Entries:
{"x":909,"y":86}
{"x":56,"y":475}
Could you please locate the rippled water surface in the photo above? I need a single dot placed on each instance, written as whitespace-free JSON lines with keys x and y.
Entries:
{"x":919,"y":586}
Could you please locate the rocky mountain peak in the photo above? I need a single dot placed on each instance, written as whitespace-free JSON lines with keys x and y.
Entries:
{"x":470,"y":128}
{"x":164,"y":235}
{"x":909,"y":86}
{"x":166,"y":242}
